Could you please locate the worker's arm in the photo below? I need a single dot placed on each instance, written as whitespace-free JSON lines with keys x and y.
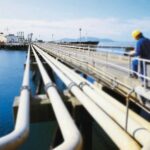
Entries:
{"x":132,"y":53}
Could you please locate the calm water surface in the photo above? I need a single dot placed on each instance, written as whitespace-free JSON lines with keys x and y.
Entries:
{"x":11,"y":74}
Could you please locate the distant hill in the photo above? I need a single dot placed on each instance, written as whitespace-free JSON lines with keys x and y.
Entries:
{"x":106,"y":40}
{"x":67,"y":40}
{"x":85,"y":39}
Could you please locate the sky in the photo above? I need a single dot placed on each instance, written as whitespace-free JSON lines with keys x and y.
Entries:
{"x":113,"y":19}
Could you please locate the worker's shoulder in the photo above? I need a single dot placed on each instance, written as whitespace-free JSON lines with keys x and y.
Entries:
{"x":143,"y":41}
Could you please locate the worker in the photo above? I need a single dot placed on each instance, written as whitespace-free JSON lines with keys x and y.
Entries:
{"x":142,"y":51}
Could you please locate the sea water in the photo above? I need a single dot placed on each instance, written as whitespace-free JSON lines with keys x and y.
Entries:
{"x":118,"y":51}
{"x":11,"y":75}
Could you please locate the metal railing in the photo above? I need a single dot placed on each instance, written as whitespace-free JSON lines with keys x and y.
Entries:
{"x":144,"y":69}
{"x":18,"y":136}
{"x":110,"y":49}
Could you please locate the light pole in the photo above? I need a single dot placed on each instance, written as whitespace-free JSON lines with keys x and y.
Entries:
{"x":80,"y":29}
{"x":52,"y":37}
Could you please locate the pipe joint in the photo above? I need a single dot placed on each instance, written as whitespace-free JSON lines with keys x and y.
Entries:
{"x":25,"y":88}
{"x":48,"y":85}
{"x":130,"y":92}
{"x":82,"y":84}
{"x":71,"y":85}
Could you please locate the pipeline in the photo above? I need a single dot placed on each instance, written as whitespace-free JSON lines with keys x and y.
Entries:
{"x":99,"y":115}
{"x":135,"y":129}
{"x":72,"y":140}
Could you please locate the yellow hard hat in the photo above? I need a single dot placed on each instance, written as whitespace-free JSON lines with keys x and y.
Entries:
{"x":136,"y":33}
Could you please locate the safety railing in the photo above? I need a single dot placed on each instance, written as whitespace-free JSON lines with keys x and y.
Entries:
{"x":99,"y":55}
{"x":18,"y":136}
{"x":107,"y":55}
{"x":110,"y":49}
{"x":72,"y":140}
{"x":144,"y":70}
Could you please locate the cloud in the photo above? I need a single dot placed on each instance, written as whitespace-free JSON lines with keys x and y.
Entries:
{"x":114,"y":28}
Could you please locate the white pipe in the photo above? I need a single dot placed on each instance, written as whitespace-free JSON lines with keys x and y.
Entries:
{"x":91,"y":68}
{"x":118,"y":115}
{"x":110,"y":127}
{"x":18,"y":136}
{"x":141,"y":120}
{"x":107,"y":76}
{"x":71,"y":135}
{"x":134,"y":126}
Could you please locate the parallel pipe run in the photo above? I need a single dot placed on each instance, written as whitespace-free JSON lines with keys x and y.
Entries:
{"x":111,"y":128}
{"x":105,"y":63}
{"x":18,"y":136}
{"x":117,"y":82}
{"x":134,"y":128}
{"x":56,"y":53}
{"x":96,"y":70}
{"x":71,"y":135}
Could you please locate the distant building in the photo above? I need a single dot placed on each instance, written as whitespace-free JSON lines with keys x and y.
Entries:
{"x":3,"y":39}
{"x":11,"y":38}
{"x":20,"y":36}
{"x":29,"y":38}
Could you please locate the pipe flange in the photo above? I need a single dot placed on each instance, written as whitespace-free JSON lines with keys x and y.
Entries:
{"x":48,"y":85}
{"x":25,"y":88}
{"x":82,"y":84}
{"x":114,"y":84}
{"x":130,"y":92}
{"x":71,"y":85}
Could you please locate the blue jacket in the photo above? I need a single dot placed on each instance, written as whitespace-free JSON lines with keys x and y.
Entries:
{"x":143,"y":48}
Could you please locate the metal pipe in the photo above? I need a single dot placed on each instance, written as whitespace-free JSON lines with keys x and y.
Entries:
{"x":137,"y":91}
{"x":107,"y":77}
{"x":72,"y":139}
{"x":110,"y":127}
{"x":18,"y":136}
{"x":116,"y":114}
